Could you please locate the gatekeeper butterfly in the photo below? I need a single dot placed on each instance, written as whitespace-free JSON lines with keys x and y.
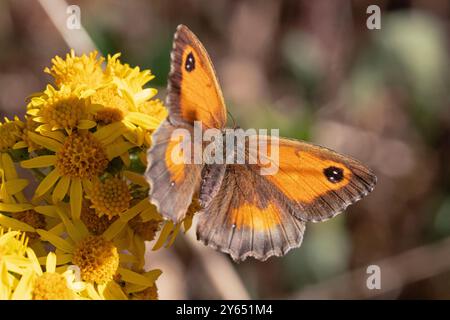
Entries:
{"x":243,"y":213}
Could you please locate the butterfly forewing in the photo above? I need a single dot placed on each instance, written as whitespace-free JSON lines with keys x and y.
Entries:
{"x":317,"y":183}
{"x":193,"y":92}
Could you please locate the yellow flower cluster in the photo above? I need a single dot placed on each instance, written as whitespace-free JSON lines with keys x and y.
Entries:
{"x":81,"y":231}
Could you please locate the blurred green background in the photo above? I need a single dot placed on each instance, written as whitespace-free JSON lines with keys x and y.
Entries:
{"x":315,"y":71}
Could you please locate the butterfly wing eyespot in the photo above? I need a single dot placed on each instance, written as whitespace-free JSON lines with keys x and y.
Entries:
{"x":334,"y":174}
{"x":189,"y":63}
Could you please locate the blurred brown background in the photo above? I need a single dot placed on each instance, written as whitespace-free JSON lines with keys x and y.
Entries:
{"x":315,"y":71}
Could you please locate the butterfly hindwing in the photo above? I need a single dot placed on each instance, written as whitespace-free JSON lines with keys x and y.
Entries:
{"x":246,"y":218}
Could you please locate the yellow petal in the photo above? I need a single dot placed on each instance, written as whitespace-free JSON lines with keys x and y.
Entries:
{"x":49,"y":211}
{"x":143,"y":158}
{"x":15,"y":207}
{"x":187,"y":222}
{"x":70,"y":227}
{"x":39,"y":162}
{"x":81,"y":228}
{"x":61,"y":189}
{"x":58,"y":229}
{"x":33,"y":112}
{"x":15,"y":224}
{"x":174,"y":235}
{"x":150,"y":214}
{"x":8,"y":167}
{"x":110,"y":132}
{"x":113,"y":291}
{"x":76,"y":197}
{"x":16,"y":185}
{"x":133,"y":277}
{"x":127,"y":258}
{"x":57,"y":135}
{"x":86,"y":124}
{"x":143,"y":120}
{"x":20,"y":145}
{"x":114,"y":229}
{"x":87,"y":185}
{"x":126,"y":159}
{"x":140,"y":136}
{"x":35,"y":262}
{"x":135,"y":178}
{"x":58,"y":242}
{"x":92,"y":293}
{"x":165,"y":232}
{"x":145,"y":95}
{"x":50,"y":265}
{"x":47,"y":143}
{"x":134,"y":211}
{"x":48,"y":182}
{"x":61,"y":259}
{"x":116,"y":149}
{"x":23,"y":289}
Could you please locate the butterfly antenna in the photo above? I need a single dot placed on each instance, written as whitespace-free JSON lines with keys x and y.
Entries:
{"x":232,"y":118}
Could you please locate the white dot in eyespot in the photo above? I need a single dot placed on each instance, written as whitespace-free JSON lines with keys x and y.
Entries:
{"x":233,"y":226}
{"x":172,"y":184}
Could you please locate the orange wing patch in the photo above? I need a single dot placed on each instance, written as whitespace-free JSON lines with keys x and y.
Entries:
{"x":249,"y":215}
{"x":174,"y":161}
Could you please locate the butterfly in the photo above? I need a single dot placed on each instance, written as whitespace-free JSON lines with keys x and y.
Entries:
{"x":243,"y":213}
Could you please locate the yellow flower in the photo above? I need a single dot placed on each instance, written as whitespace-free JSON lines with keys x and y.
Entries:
{"x":123,"y":117}
{"x":30,"y":126}
{"x":52,"y":285}
{"x":142,"y":287}
{"x":79,"y":158}
{"x":13,"y":262}
{"x":21,"y":276}
{"x":130,"y":81}
{"x":10,"y":133}
{"x":86,"y":139}
{"x":97,"y":256}
{"x":125,"y":99}
{"x":11,"y":185}
{"x":84,"y":71}
{"x":64,"y":108}
{"x":111,"y":196}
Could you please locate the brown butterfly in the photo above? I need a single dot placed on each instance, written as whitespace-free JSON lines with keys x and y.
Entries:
{"x":244,"y":213}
